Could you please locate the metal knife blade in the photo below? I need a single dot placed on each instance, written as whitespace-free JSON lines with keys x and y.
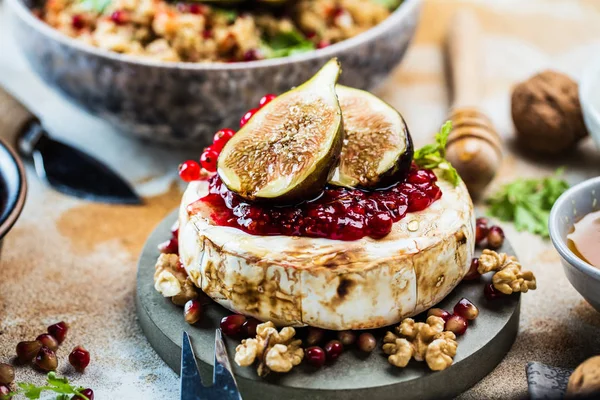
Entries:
{"x":65,"y":168}
{"x":222,"y":375}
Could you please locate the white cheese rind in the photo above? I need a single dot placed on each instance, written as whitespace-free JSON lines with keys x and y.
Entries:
{"x":332,"y":284}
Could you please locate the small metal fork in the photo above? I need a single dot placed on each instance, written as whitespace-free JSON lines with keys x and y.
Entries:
{"x":224,"y":386}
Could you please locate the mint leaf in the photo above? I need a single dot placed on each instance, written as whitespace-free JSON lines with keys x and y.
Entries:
{"x":527,"y":202}
{"x":391,"y":4}
{"x":433,"y":156}
{"x":287,"y":43}
{"x":95,"y":5}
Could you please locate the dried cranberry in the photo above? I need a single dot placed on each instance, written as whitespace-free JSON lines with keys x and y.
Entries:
{"x":189,"y":171}
{"x":208,"y":159}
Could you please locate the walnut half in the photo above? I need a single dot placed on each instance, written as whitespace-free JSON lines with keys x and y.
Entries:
{"x":171,"y":280}
{"x":275,"y":351}
{"x":423,"y":341}
{"x":509,"y":277}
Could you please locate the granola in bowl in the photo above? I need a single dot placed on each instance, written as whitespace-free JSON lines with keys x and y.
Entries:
{"x":204,"y":32}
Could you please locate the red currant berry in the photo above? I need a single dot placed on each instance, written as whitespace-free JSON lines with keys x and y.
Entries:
{"x":266,"y":99}
{"x":208,"y":159}
{"x":189,"y":171}
{"x":247,"y":116}
{"x":221,"y":138}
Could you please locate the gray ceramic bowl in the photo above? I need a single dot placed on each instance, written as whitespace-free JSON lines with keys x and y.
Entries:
{"x":573,"y":205}
{"x":13,"y":189}
{"x":185,"y":103}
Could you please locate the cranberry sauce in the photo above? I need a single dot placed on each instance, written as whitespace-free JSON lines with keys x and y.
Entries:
{"x":343,"y":214}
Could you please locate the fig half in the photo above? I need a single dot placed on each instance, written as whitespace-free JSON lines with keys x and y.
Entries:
{"x":287,"y":151}
{"x":377,"y":149}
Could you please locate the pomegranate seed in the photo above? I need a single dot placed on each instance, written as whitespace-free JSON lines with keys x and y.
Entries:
{"x":314,"y":336}
{"x":366,"y":342}
{"x":192,"y":311}
{"x":495,"y":237}
{"x":346,"y":337}
{"x":466,"y":309}
{"x":59,"y":331}
{"x":438,"y":312}
{"x":266,"y":99}
{"x":119,"y":17}
{"x":249,"y":114}
{"x":251,"y":55}
{"x":77,"y":21}
{"x":221,"y":138}
{"x":481,"y":230}
{"x":189,"y":171}
{"x":333,"y":349}
{"x":79,"y":358}
{"x":4,"y":391}
{"x":315,"y":356}
{"x":175,"y":230}
{"x":196,"y":9}
{"x":473,"y":272}
{"x":457,"y":325}
{"x":46,"y":359}
{"x":7,"y":374}
{"x":249,"y":327}
{"x":323,"y":43}
{"x":491,"y":293}
{"x":27,"y":350}
{"x":231,"y":325}
{"x":380,"y":225}
{"x":89,"y":393}
{"x":170,"y":246}
{"x":208,"y":159}
{"x":48,"y":340}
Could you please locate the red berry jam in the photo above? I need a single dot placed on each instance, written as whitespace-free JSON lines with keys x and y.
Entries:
{"x":339,"y":213}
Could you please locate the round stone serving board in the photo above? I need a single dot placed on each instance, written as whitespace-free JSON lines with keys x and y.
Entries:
{"x":353,"y":375}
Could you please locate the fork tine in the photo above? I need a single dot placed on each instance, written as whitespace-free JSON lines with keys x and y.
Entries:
{"x":191,"y":383}
{"x":222,"y":374}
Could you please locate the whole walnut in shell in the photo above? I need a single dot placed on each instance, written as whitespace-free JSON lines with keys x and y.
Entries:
{"x":585,"y":380}
{"x":547,"y":113}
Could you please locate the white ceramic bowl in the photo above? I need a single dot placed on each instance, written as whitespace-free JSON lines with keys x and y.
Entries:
{"x":589,"y":97}
{"x":573,"y":205}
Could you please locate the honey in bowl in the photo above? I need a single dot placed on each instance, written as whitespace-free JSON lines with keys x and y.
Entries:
{"x":584,"y":240}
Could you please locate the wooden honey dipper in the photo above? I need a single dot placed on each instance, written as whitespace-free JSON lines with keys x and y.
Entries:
{"x":474,"y":148}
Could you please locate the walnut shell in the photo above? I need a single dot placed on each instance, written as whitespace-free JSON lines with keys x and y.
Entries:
{"x":585,"y":380}
{"x":547,"y":113}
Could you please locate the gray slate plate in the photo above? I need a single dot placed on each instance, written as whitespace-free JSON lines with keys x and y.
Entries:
{"x":353,"y":376}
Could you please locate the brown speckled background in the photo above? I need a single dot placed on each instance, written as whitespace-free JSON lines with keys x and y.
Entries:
{"x":73,"y":260}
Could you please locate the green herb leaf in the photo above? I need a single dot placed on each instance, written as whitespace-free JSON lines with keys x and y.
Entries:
{"x":55,"y":384}
{"x":434,"y":155}
{"x":227,"y":14}
{"x":287,"y":43}
{"x":391,"y":4}
{"x":95,"y":5}
{"x":527,"y":202}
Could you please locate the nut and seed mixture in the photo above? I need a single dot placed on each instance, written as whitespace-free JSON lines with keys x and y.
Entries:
{"x":197,"y":32}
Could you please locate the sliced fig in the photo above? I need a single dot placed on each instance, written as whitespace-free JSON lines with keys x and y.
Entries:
{"x":377,"y":148}
{"x":287,"y":151}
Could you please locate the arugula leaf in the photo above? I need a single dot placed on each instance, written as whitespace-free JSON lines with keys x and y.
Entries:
{"x":433,"y":156}
{"x":391,"y":4}
{"x":527,"y":202}
{"x":55,"y":384}
{"x":286,"y":43}
{"x":95,"y":5}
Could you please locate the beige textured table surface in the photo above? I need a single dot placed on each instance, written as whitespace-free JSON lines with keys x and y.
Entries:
{"x":73,"y":260}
